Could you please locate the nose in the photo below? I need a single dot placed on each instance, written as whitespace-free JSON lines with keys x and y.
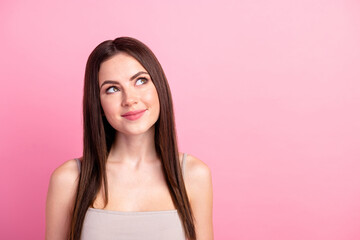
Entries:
{"x":129,"y":98}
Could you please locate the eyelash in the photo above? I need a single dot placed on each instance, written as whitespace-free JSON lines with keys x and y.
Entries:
{"x":146,"y":80}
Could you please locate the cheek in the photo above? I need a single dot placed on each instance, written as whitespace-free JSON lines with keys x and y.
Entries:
{"x":153,"y":98}
{"x":107,"y":107}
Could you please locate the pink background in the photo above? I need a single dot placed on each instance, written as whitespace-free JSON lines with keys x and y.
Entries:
{"x":266,"y":93}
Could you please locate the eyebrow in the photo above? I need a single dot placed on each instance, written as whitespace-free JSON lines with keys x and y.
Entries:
{"x":115,"y":82}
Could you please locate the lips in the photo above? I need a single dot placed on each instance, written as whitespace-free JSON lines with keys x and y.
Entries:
{"x":130,"y":113}
{"x":133,"y":115}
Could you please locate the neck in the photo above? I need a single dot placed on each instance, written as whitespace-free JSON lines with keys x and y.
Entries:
{"x":133,"y":149}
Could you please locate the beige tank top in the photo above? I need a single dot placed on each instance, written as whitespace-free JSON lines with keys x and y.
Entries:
{"x":119,"y":225}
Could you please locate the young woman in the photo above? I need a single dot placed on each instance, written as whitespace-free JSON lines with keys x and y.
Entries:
{"x":131,"y":182}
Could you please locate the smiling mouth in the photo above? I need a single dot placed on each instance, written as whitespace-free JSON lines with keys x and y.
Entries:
{"x":134,"y":115}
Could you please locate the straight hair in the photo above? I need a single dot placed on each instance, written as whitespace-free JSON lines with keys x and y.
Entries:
{"x":99,"y":135}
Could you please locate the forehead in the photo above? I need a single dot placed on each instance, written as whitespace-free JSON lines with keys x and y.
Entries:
{"x":119,"y":67}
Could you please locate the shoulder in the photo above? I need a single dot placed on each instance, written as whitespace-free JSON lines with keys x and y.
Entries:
{"x":200,"y":192}
{"x":65,"y":174}
{"x":60,"y":199}
{"x":197,"y":169}
{"x":63,"y":182}
{"x":197,"y":177}
{"x":194,"y":164}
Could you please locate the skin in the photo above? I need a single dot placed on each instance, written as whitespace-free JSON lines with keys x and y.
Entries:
{"x":135,"y":179}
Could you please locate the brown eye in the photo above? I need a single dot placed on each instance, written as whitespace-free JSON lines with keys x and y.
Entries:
{"x":144,"y":80}
{"x":112,"y":87}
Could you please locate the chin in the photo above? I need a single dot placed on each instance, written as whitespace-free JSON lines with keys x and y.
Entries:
{"x":137,"y":131}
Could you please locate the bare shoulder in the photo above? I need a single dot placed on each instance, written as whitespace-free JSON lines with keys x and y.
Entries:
{"x":197,"y":177}
{"x":197,"y":171}
{"x":60,"y":199}
{"x":67,"y":173}
{"x":63,"y":182}
{"x":200,"y":191}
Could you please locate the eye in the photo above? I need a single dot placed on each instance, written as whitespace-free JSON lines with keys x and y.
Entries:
{"x":144,"y":80}
{"x":112,"y":87}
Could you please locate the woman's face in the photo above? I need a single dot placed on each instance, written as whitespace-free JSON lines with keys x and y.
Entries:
{"x":126,"y":86}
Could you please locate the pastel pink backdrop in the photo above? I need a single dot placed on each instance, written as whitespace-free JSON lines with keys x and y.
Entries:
{"x":266,"y":93}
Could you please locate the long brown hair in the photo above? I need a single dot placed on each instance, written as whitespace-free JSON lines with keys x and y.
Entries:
{"x":99,"y":135}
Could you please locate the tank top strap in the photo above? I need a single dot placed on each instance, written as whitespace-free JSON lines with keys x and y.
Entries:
{"x":183,"y":164}
{"x":78,"y":164}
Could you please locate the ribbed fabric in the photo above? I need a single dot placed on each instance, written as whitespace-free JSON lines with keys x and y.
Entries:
{"x":102,"y":224}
